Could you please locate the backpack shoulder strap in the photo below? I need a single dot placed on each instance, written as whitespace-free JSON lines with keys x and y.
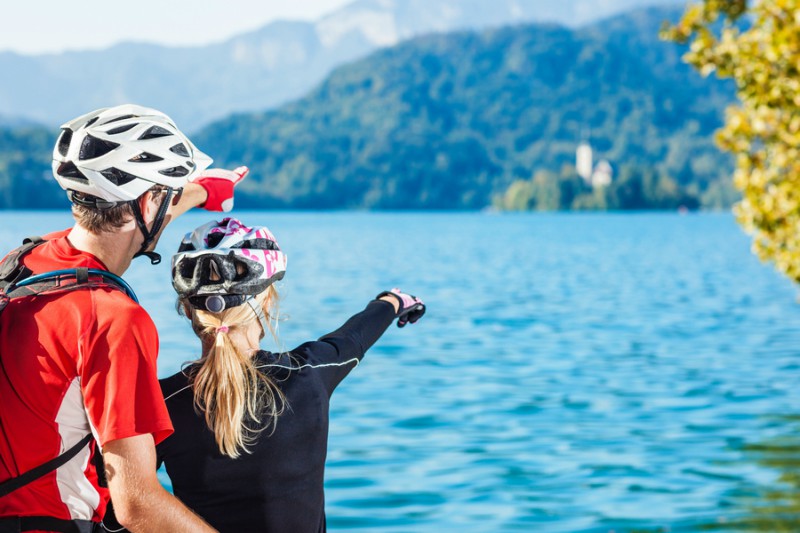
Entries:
{"x":10,"y":485}
{"x":33,"y":240}
{"x":13,"y":273}
{"x":12,"y":269}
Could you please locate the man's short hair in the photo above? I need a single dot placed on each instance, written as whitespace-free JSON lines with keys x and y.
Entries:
{"x":99,"y":221}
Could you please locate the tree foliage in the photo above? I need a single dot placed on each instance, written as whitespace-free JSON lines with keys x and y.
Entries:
{"x":25,"y":177}
{"x":636,"y":188}
{"x":757,"y":44}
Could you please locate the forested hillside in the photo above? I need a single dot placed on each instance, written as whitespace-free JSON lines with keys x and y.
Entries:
{"x":26,"y":180}
{"x":449,"y":121}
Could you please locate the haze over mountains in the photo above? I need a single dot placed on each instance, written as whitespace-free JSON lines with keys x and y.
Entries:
{"x":258,"y":70}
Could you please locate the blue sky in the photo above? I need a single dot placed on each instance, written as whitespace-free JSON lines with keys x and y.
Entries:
{"x":38,"y":26}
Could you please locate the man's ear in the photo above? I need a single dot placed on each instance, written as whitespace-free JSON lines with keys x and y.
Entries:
{"x":148,"y":205}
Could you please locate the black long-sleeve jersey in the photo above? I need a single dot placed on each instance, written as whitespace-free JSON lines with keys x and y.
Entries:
{"x":279,"y":486}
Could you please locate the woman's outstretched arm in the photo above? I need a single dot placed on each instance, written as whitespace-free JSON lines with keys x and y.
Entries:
{"x":338,"y":352}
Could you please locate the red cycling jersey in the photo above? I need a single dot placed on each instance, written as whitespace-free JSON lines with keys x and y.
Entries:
{"x":72,"y":363}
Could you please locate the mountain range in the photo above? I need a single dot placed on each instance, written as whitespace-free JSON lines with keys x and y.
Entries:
{"x":449,"y":121}
{"x":258,"y":70}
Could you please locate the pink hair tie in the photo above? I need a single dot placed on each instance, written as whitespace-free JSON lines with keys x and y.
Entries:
{"x":222,"y":329}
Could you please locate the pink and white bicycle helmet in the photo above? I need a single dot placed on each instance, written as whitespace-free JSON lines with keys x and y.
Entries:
{"x":224,"y":264}
{"x":116,"y":154}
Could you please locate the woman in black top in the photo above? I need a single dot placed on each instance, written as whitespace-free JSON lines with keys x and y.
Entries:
{"x":251,"y":427}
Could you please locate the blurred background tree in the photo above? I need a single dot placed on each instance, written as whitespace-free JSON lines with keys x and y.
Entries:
{"x":635,"y":188}
{"x":757,"y":44}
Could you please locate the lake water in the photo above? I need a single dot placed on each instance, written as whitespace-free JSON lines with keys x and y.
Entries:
{"x":576,"y":373}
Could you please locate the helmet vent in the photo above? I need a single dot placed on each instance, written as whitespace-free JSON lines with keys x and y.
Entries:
{"x":214,"y":239}
{"x":144,"y":157}
{"x":213,"y":274}
{"x":92,"y":147}
{"x":91,"y":122}
{"x":257,"y":244}
{"x":63,"y":141}
{"x":186,"y":247}
{"x":174,"y":172}
{"x":123,"y":117}
{"x":117,"y":176}
{"x":241,"y":270}
{"x":155,"y":132}
{"x":121,"y":129}
{"x":70,"y":171}
{"x":180,"y":149}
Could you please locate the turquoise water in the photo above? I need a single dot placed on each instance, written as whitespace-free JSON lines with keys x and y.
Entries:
{"x":577,"y":373}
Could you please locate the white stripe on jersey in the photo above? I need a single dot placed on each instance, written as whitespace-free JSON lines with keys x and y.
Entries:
{"x":77,"y":492}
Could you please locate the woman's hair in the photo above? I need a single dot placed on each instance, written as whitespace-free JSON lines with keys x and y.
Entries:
{"x":238,"y":400}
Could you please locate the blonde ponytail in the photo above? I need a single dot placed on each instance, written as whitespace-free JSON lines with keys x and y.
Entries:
{"x":238,"y":400}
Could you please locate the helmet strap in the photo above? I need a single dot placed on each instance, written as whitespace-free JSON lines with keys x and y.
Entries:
{"x":149,"y":236}
{"x":254,"y":305}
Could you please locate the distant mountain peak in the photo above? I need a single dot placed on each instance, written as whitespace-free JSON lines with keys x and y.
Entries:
{"x":373,"y":20}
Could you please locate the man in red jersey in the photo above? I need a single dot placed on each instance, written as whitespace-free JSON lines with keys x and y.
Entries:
{"x":75,"y":363}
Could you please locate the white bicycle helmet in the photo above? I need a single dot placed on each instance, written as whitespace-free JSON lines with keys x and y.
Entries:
{"x":223,"y":264}
{"x":116,"y":154}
